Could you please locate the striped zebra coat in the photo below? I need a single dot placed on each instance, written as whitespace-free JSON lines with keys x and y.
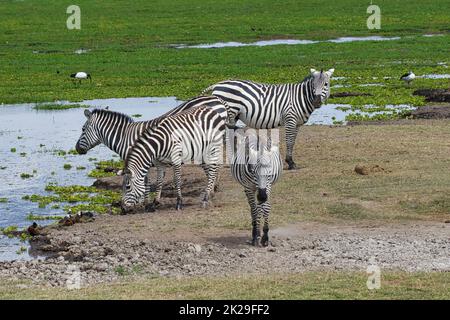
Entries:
{"x":193,"y":135}
{"x":119,"y":132}
{"x":266,"y":106}
{"x":257,"y":166}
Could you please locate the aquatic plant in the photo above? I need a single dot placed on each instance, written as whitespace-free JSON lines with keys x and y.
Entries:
{"x":58,"y":106}
{"x":67,"y":166}
{"x":13,"y":149}
{"x":3,"y":200}
{"x":33,"y":217}
{"x":106,"y":168}
{"x":85,"y":198}
{"x":26,"y":175}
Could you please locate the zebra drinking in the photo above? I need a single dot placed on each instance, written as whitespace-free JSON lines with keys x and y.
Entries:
{"x":119,"y":132}
{"x":265,"y":106}
{"x":193,"y":135}
{"x":257,"y":166}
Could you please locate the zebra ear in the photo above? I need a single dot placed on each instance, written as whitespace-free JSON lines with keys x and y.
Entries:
{"x":313,"y":70}
{"x":87,"y":113}
{"x":330,"y":72}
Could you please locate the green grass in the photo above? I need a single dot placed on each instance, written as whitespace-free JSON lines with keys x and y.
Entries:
{"x":311,"y":285}
{"x":131,"y":53}
{"x":57,"y":106}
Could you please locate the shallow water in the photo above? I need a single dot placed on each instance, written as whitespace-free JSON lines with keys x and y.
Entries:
{"x":41,"y":133}
{"x":435,"y":76}
{"x":283,"y":41}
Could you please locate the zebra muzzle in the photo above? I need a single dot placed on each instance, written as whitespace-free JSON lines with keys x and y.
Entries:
{"x":79,"y":149}
{"x":262,"y":195}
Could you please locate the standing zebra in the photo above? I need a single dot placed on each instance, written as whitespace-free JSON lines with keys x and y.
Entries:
{"x":265,"y":106}
{"x":119,"y":132}
{"x":193,"y":135}
{"x":257,"y":167}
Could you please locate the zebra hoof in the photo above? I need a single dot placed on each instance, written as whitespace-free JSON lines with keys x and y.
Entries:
{"x":265,"y":241}
{"x":150,"y":208}
{"x":292,"y":166}
{"x":205,"y":204}
{"x":156,"y":204}
{"x":179,"y":206}
{"x":256,"y":242}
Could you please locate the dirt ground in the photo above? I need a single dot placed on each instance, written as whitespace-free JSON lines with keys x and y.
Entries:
{"x":325,"y":216}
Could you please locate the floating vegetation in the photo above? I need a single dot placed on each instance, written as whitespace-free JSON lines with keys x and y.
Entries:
{"x":106,"y":169}
{"x":58,"y":106}
{"x":92,"y":159}
{"x":3,"y":200}
{"x":67,"y":166}
{"x":19,"y":137}
{"x":3,"y":168}
{"x":394,"y":115}
{"x":26,"y":175}
{"x":21,"y":250}
{"x":23,"y":154}
{"x":81,"y":168}
{"x":137,"y":115}
{"x":33,"y":217}
{"x":72,"y":151}
{"x":61,"y":153}
{"x":13,"y":149}
{"x":85,"y":198}
{"x":9,"y":231}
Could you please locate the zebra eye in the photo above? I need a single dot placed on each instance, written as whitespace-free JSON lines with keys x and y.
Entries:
{"x":326,"y":84}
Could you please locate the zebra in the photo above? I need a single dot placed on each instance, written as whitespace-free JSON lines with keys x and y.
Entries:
{"x":119,"y":132}
{"x":257,"y":166}
{"x":265,"y":106}
{"x":195,"y":134}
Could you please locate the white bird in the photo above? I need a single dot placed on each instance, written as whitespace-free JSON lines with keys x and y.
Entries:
{"x":80,"y":76}
{"x":408,"y":77}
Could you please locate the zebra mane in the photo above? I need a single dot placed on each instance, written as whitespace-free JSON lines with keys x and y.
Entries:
{"x":309,"y":76}
{"x":114,"y":113}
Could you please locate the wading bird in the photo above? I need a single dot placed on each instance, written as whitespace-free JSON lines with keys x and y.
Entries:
{"x":80,"y":76}
{"x":408,"y":77}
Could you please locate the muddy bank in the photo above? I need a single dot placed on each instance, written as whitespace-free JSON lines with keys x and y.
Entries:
{"x":107,"y":249}
{"x":434,"y":95}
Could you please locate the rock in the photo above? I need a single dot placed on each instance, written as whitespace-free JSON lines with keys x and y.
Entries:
{"x":365,"y":170}
{"x":362,"y":170}
{"x":109,"y":183}
{"x":431,"y":112}
{"x":434,"y":95}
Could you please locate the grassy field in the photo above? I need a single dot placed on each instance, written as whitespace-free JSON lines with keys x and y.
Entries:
{"x":312,"y":285}
{"x":131,"y":54}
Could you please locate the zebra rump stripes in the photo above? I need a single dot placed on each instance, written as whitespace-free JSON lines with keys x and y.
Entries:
{"x":193,"y":135}
{"x":257,"y":166}
{"x":266,"y":106}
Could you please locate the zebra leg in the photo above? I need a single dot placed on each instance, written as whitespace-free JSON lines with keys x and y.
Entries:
{"x":212,"y":177}
{"x":256,"y":232}
{"x":147,"y":206}
{"x":265,"y":210}
{"x":160,"y":173}
{"x":291,"y":135}
{"x":177,"y":182}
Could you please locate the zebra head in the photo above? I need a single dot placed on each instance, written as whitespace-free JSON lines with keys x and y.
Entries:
{"x":90,"y":136}
{"x":133,"y":189}
{"x":321,"y":85}
{"x":266,"y":168}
